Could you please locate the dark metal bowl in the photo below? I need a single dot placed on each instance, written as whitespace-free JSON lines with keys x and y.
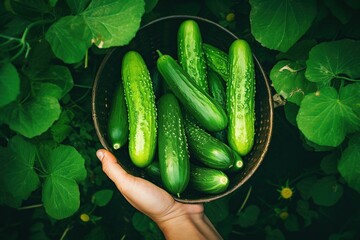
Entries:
{"x":161,"y":34}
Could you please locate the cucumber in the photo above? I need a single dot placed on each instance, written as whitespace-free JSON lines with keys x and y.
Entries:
{"x":190,"y":53}
{"x":209,"y":114}
{"x":207,"y":149}
{"x":238,"y":163}
{"x":216,"y":60}
{"x":118,"y":127}
{"x":241,"y":97}
{"x":172,"y":146}
{"x":208,"y":180}
{"x":218,"y":91}
{"x":140,"y":101}
{"x":153,"y":171}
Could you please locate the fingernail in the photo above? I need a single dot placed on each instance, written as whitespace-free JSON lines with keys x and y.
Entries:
{"x":100,"y":155}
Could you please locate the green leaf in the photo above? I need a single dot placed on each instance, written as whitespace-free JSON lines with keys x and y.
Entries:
{"x":102,"y":198}
{"x":118,"y":26}
{"x":325,"y":118}
{"x":304,"y":186}
{"x":350,"y":95}
{"x":279,"y":24}
{"x":298,"y":52}
{"x":291,"y":110}
{"x":17,"y":170}
{"x":249,"y":216}
{"x":150,"y":5}
{"x":329,"y":163}
{"x":140,"y":221}
{"x":305,"y":212}
{"x":273,"y":234}
{"x":61,"y":196}
{"x":326,"y":191}
{"x":292,"y":223}
{"x":106,"y":23}
{"x":77,"y":6}
{"x":61,"y":129}
{"x":349,"y":164}
{"x":64,"y":167}
{"x":33,"y":116}
{"x":289,"y":81}
{"x":9,"y":84}
{"x":339,"y":9}
{"x":336,"y":59}
{"x":217,"y":210}
{"x":69,"y":38}
{"x":57,"y":75}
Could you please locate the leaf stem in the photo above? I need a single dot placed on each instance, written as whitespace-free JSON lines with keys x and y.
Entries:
{"x":245,"y":200}
{"x":67,"y":229}
{"x":348,"y":79}
{"x":31,"y":206}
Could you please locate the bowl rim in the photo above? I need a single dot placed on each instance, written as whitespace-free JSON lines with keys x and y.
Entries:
{"x":269,"y":103}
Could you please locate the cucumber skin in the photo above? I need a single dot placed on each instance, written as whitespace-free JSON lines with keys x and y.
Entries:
{"x":118,"y":127}
{"x":207,"y":149}
{"x":199,"y":104}
{"x":140,"y":101}
{"x":173,"y":153}
{"x":190,"y":52}
{"x":217,"y":90}
{"x":241,"y":97}
{"x":208,"y":180}
{"x":216,"y":60}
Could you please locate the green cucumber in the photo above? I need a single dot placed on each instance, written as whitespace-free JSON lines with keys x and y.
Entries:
{"x":118,"y":127}
{"x":218,"y":91}
{"x":209,"y":114}
{"x":241,"y":97}
{"x":216,"y":60}
{"x":207,"y":149}
{"x":190,"y":53}
{"x":140,"y":101}
{"x":172,"y":146}
{"x":153,"y":171}
{"x":208,"y":180}
{"x":238,"y":163}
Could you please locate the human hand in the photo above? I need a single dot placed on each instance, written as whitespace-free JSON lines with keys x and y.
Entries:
{"x":175,"y":219}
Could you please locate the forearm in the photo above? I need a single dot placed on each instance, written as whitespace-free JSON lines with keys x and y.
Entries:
{"x":197,"y":227}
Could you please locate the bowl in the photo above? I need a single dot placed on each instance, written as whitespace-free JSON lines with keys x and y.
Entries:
{"x":161,"y":34}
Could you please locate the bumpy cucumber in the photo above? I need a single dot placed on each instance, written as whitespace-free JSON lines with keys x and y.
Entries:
{"x":216,"y":60}
{"x":172,"y":146}
{"x":140,"y":100}
{"x":209,"y":114}
{"x":208,"y":180}
{"x":207,"y":149}
{"x":218,"y":92}
{"x":190,"y":52}
{"x":241,"y":97}
{"x":118,"y":127}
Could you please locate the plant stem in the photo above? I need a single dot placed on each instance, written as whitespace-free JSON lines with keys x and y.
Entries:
{"x":245,"y":200}
{"x":31,"y":206}
{"x":67,"y":229}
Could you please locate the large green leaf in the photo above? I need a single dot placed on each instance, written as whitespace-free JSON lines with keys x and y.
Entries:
{"x":289,"y":81}
{"x":336,"y":59}
{"x":69,"y":38}
{"x":102,"y":198}
{"x":349,"y":164}
{"x":61,"y":196}
{"x":106,"y":23}
{"x":17,"y":168}
{"x":248,"y":217}
{"x":279,"y":24}
{"x":64,"y":167}
{"x":33,"y":116}
{"x":326,"y":191}
{"x":58,"y":75}
{"x":325,"y":118}
{"x":9,"y":83}
{"x":77,"y":6}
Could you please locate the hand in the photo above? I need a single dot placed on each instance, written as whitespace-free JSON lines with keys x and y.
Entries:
{"x":175,"y":219}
